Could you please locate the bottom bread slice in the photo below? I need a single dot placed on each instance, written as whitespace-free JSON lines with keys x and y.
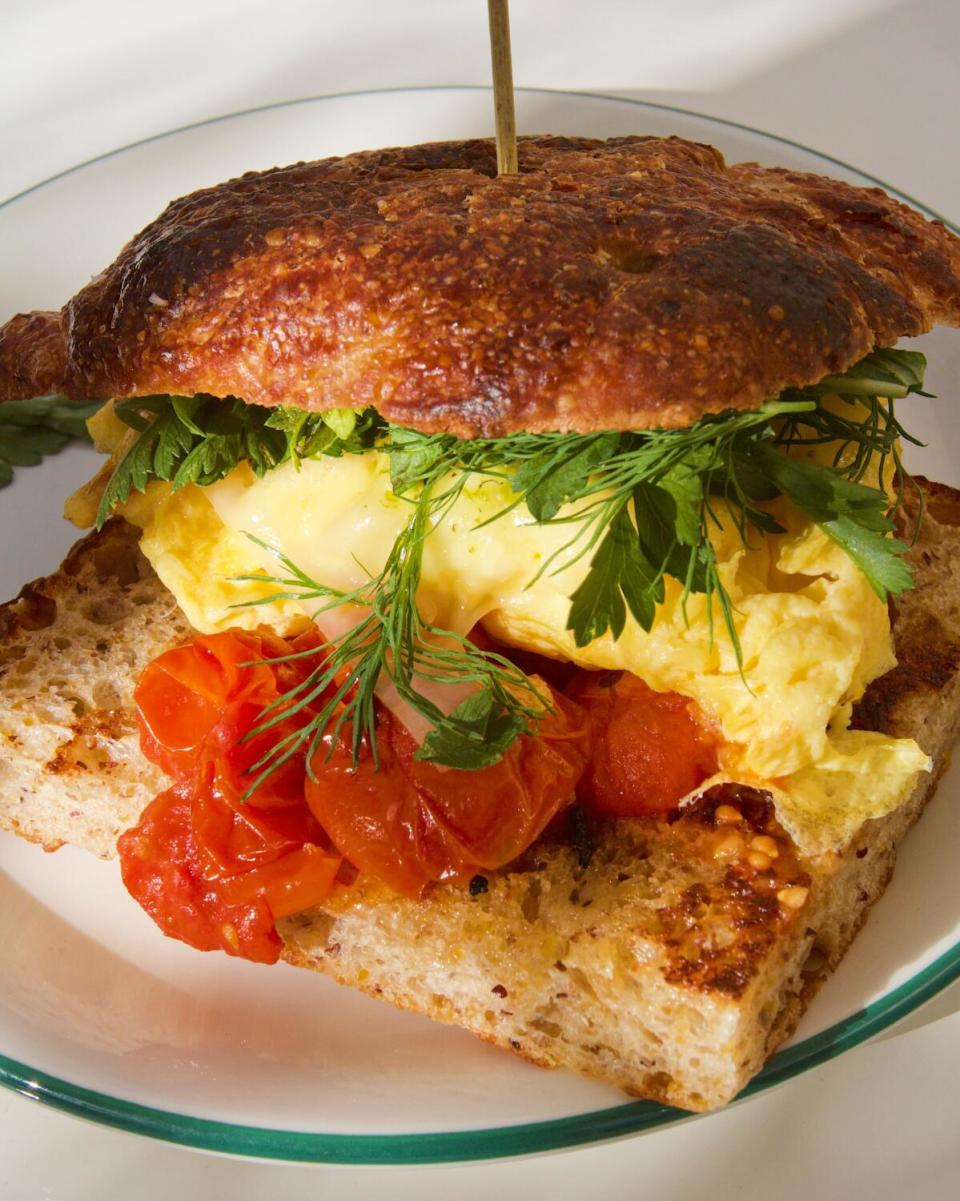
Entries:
{"x":651,"y":953}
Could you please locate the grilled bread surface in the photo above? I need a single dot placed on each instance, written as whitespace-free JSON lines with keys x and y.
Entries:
{"x":623,"y":284}
{"x":653,"y":954}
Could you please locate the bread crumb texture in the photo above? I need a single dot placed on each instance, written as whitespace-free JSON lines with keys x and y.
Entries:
{"x":668,"y":958}
{"x":71,"y":649}
{"x":619,"y":284}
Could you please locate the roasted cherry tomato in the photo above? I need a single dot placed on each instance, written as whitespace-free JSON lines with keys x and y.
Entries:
{"x":649,"y":749}
{"x":210,"y":867}
{"x":410,"y":823}
{"x":165,"y":864}
{"x":196,"y":703}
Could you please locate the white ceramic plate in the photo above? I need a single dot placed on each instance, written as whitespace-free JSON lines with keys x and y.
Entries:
{"x":101,"y":1016}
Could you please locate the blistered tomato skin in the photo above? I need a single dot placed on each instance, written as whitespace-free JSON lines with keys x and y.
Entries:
{"x":196,"y":703}
{"x":411,"y":823}
{"x":217,"y":868}
{"x":159,"y":862}
{"x":212,"y":868}
{"x":649,"y":749}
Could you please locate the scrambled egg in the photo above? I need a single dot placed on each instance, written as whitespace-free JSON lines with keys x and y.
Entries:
{"x":813,"y":632}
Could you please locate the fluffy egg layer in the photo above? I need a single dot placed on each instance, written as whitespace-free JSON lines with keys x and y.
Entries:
{"x":812,"y":631}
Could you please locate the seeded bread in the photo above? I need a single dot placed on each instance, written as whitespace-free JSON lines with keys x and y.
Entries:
{"x":651,"y":954}
{"x":633,"y":283}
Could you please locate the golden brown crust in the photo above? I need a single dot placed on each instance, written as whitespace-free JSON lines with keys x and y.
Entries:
{"x":33,"y":356}
{"x":657,"y":925}
{"x":665,"y":962}
{"x":630,"y":283}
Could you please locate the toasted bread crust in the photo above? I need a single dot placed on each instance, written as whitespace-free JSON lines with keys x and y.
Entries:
{"x":33,"y":356}
{"x":71,"y":648}
{"x":657,"y":966}
{"x":632,"y":283}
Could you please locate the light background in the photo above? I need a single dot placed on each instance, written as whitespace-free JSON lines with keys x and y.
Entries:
{"x":872,"y":82}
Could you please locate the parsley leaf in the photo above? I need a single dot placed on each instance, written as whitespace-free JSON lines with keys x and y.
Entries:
{"x":200,"y":439}
{"x":889,"y":373}
{"x":620,"y":577}
{"x":415,"y":458}
{"x":639,"y":505}
{"x":153,"y":455}
{"x":32,"y":429}
{"x":877,"y":556}
{"x":476,"y":734}
{"x":549,"y":479}
{"x":684,"y":484}
{"x":855,"y":517}
{"x":656,"y":515}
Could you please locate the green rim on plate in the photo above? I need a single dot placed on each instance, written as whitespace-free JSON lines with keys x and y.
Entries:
{"x":494,"y":1142}
{"x":262,"y":1142}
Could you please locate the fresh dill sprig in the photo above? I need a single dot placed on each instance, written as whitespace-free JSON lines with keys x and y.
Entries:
{"x":391,"y":641}
{"x":640,"y":506}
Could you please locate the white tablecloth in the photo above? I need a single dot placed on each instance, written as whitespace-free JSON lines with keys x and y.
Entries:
{"x":873,"y":82}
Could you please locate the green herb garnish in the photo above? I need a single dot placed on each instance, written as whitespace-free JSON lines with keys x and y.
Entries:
{"x":392,"y":641}
{"x":32,"y":429}
{"x":200,"y":439}
{"x":639,"y":504}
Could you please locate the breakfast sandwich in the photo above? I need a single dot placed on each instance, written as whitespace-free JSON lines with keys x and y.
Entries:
{"x":506,"y":594}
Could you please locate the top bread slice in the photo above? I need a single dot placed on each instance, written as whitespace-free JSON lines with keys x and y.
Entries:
{"x":649,"y":953}
{"x":633,"y":283}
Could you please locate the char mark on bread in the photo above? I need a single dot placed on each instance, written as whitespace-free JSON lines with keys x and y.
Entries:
{"x":630,"y":283}
{"x":655,"y":965}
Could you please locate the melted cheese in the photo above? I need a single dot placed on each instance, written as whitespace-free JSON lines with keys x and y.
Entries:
{"x":813,"y":632}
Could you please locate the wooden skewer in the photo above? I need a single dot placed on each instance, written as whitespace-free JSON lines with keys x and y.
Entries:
{"x":499,"y":14}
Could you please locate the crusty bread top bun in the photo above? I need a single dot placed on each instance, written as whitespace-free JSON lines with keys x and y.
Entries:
{"x":631,"y":283}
